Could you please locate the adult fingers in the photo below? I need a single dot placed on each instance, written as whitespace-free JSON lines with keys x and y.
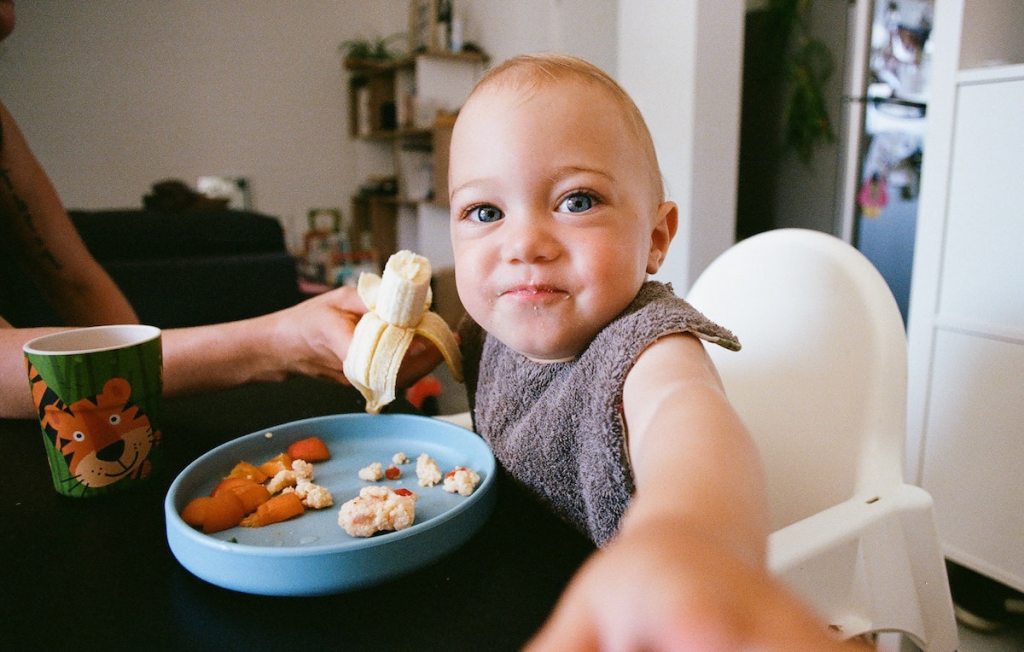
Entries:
{"x":345,"y":298}
{"x":421,"y":358}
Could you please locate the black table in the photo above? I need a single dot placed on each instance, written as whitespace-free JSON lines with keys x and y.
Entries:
{"x":91,"y":574}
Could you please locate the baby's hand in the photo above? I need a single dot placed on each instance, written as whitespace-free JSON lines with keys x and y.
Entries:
{"x":660,"y":590}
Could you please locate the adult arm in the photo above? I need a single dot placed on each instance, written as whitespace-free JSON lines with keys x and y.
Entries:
{"x":15,"y":395}
{"x":310,"y":339}
{"x":46,"y":242}
{"x":687,"y":568}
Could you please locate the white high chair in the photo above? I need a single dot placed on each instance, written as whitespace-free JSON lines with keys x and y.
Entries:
{"x":821,"y":384}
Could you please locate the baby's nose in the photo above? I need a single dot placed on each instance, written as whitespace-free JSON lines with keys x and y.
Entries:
{"x":529,"y":240}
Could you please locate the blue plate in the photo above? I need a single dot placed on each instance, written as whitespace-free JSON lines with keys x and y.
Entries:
{"x":312,"y":554}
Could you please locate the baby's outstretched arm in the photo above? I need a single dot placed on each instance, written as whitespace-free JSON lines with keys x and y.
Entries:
{"x":687,"y":568}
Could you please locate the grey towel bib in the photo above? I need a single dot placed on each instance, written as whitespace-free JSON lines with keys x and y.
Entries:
{"x":558,"y":428}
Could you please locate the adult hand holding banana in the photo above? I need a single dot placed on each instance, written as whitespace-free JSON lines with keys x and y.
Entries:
{"x":398,"y":309}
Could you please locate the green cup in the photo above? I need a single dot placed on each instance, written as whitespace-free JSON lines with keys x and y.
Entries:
{"x":98,"y":392}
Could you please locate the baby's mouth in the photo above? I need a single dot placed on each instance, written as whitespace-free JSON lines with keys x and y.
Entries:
{"x":531,"y":290}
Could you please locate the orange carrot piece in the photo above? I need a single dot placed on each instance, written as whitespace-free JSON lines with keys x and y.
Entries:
{"x":229,"y":482}
{"x":310,"y":449}
{"x":195,"y":511}
{"x":225,"y":510}
{"x":280,"y":462}
{"x":247,"y":471}
{"x":279,"y":508}
{"x":253,"y":494}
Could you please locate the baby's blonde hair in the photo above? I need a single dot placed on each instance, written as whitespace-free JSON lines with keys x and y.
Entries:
{"x":527,"y":71}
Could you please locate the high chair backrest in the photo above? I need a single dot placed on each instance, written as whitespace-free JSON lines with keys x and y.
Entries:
{"x":821,"y":379}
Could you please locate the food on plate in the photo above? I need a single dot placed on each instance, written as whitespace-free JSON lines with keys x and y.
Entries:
{"x":378,"y":509}
{"x":301,"y":470}
{"x":195,"y":511}
{"x":252,"y":493}
{"x":247,"y":471}
{"x":461,"y":480}
{"x":214,"y":513}
{"x":281,"y":481}
{"x":313,"y":496}
{"x":371,"y":472}
{"x":249,"y":495}
{"x":276,"y":464}
{"x":283,"y":488}
{"x":279,"y":508}
{"x":398,"y":304}
{"x":428,"y":473}
{"x":310,"y":449}
{"x":375,"y":471}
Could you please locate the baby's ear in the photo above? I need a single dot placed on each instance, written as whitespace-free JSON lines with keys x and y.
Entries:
{"x":664,"y":230}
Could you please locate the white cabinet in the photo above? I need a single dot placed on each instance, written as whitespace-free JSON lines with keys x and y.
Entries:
{"x":966,"y":327}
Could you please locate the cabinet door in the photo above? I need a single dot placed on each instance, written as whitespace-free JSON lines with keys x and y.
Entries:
{"x":974,"y":447}
{"x":982,"y":276}
{"x":975,"y":452}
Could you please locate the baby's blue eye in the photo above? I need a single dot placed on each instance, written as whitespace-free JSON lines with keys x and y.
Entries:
{"x":485,"y":214}
{"x":577,"y":203}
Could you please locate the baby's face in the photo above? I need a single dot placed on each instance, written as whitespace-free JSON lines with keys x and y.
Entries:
{"x":552,"y":213}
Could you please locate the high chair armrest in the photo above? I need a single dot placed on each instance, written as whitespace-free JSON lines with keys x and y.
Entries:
{"x":462,"y":419}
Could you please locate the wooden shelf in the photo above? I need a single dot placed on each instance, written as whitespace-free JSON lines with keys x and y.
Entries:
{"x":377,"y":66}
{"x":397,"y":134}
{"x":468,"y":56}
{"x":410,"y":105}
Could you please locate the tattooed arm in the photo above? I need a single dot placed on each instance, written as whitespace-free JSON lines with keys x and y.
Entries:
{"x":45,"y":240}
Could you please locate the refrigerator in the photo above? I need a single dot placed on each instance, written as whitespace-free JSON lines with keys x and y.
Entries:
{"x":883,"y":117}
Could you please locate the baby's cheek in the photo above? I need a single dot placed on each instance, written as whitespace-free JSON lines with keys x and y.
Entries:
{"x":481,"y":311}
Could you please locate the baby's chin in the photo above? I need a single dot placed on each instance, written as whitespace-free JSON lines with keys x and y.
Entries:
{"x":550,"y":360}
{"x":543,"y":342}
{"x":546,"y":355}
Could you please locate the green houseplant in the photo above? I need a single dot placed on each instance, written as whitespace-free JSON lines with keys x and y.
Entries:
{"x":807,"y":64}
{"x":362,"y":51}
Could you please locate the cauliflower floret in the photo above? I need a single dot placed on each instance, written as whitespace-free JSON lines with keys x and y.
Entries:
{"x":372,"y":473}
{"x":303,"y":469}
{"x":377,"y":509}
{"x":281,"y":479}
{"x":461,"y":480}
{"x":313,"y":495}
{"x":399,"y":458}
{"x":428,"y":473}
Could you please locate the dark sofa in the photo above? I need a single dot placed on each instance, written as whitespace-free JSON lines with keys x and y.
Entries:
{"x":177,"y":268}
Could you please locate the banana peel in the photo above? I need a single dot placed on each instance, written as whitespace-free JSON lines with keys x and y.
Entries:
{"x":398,"y":304}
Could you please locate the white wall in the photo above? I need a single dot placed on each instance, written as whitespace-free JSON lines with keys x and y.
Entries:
{"x":681,"y":61}
{"x":115,"y":95}
{"x":586,"y":28}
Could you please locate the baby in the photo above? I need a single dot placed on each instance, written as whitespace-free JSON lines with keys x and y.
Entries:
{"x":591,"y":383}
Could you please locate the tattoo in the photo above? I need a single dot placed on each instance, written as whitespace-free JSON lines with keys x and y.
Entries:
{"x":22,"y":214}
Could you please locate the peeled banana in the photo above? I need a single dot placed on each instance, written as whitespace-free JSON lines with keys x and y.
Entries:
{"x":398,"y":304}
